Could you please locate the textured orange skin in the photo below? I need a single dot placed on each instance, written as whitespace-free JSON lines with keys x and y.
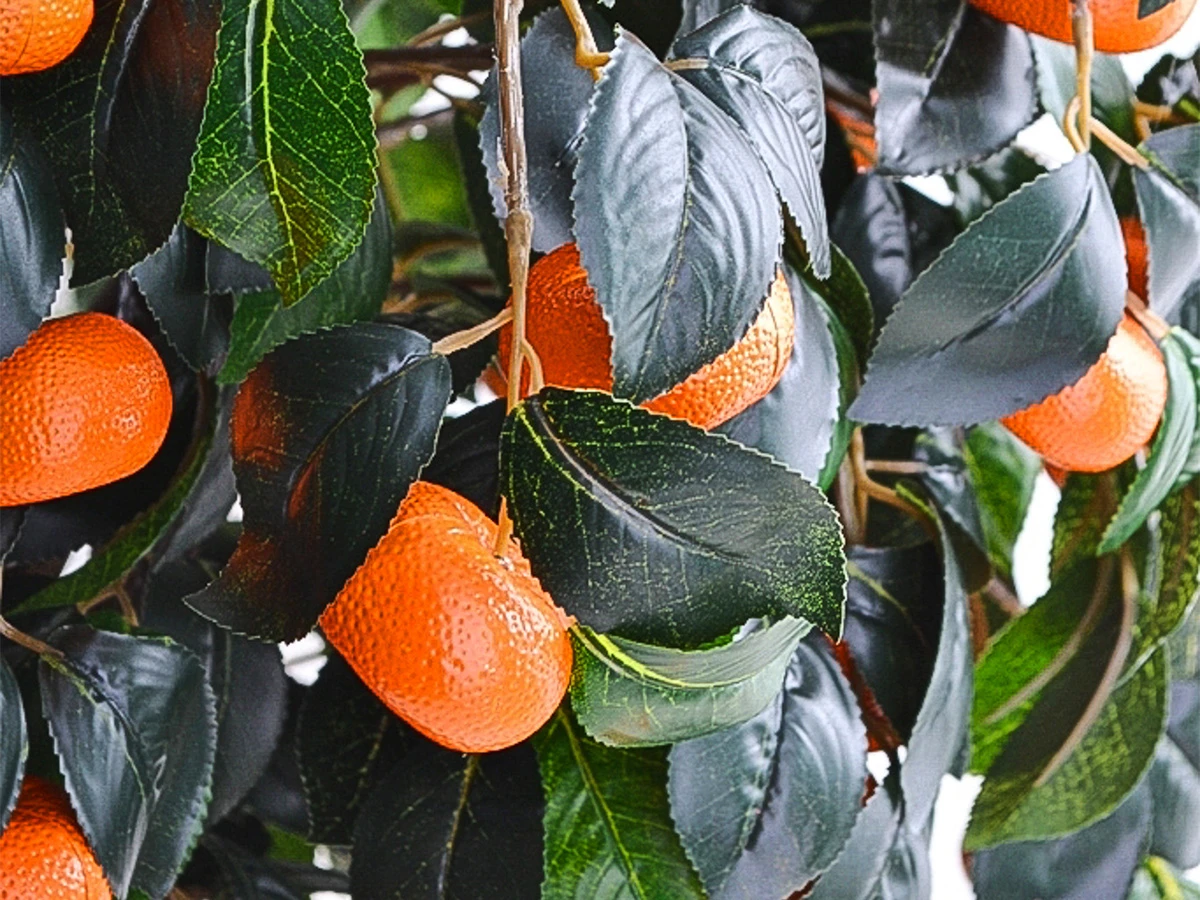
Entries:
{"x":464,"y":646}
{"x":38,"y":34}
{"x":86,"y":401}
{"x":43,"y":853}
{"x":566,"y":327}
{"x":1106,"y":416}
{"x":1116,"y":24}
{"x":1135,"y":254}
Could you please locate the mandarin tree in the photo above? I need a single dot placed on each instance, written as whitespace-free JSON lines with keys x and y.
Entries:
{"x":585,"y":450}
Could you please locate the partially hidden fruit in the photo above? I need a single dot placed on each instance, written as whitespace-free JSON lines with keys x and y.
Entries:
{"x":463,"y":645}
{"x":1104,"y":418}
{"x":1117,"y":27}
{"x":86,"y":401}
{"x":44,"y":854}
{"x":1135,"y":254}
{"x":38,"y":34}
{"x":566,"y":327}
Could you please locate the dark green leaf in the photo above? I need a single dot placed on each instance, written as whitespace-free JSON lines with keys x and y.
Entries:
{"x":173,"y":281}
{"x":1169,"y":452}
{"x":243,"y":876}
{"x":346,"y":740}
{"x":328,"y":433}
{"x":945,"y":478}
{"x":765,"y":807}
{"x":629,"y":694}
{"x":12,"y":520}
{"x":1002,"y":472}
{"x":467,"y":458}
{"x":1159,"y":880}
{"x":32,"y":239}
{"x":1022,"y":303}
{"x":1175,"y":780}
{"x":980,"y":186}
{"x":446,"y":824}
{"x":134,"y":724}
{"x":557,"y":92}
{"x":648,"y":527}
{"x":954,"y":84}
{"x":664,"y":170}
{"x":354,"y":292}
{"x":119,"y":120}
{"x":846,"y":295}
{"x":764,"y":74}
{"x":477,"y":185}
{"x":14,"y":742}
{"x":799,"y":421}
{"x":608,"y":828}
{"x":284,"y":169}
{"x":1168,"y":195}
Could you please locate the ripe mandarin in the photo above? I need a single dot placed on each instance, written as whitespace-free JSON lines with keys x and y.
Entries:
{"x":1104,"y":418}
{"x":1135,"y":254}
{"x":44,"y":854}
{"x":566,"y":327}
{"x":464,"y":646}
{"x":86,"y":401}
{"x":1116,"y":24}
{"x":38,"y":34}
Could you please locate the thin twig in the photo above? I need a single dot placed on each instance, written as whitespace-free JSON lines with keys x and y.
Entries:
{"x":1157,"y":113}
{"x":128,"y":611}
{"x":1154,"y":324}
{"x":1070,"y":125}
{"x":1117,"y":145}
{"x":847,"y":508}
{"x":896,"y":466}
{"x":877,"y":491}
{"x":460,"y":340}
{"x":1082,"y":32}
{"x":439,"y":30}
{"x":17,"y":636}
{"x":858,"y":465}
{"x":587,"y":54}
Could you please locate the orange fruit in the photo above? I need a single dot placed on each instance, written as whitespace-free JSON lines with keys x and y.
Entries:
{"x":38,"y":34}
{"x":44,"y":854}
{"x":86,"y":401}
{"x":1135,"y":254}
{"x":1117,"y":28}
{"x":566,"y":327}
{"x":1104,"y":418}
{"x":463,"y":645}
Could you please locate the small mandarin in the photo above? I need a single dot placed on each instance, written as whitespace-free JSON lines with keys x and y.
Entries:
{"x":38,"y":34}
{"x":43,"y":853}
{"x":463,"y":645}
{"x":86,"y":402}
{"x":566,"y":327}
{"x":1116,"y":24}
{"x":1108,"y":415}
{"x":1135,"y":254}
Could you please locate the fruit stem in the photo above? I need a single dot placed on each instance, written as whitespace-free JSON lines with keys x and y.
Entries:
{"x":441,"y":29}
{"x":896,"y":466}
{"x":460,"y":340}
{"x":587,"y":54}
{"x":1114,"y":142}
{"x":1146,"y":317}
{"x":1082,"y":32}
{"x":17,"y":636}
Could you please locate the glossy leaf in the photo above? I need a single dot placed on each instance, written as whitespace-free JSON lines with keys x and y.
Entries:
{"x":1159,"y":880}
{"x":954,"y":85}
{"x":32,"y":240}
{"x":1169,"y":453}
{"x":946,"y":478}
{"x":346,"y":741}
{"x":1168,"y":195}
{"x":764,"y":74}
{"x":353,"y":293}
{"x":1002,"y":472}
{"x":118,"y":120}
{"x":629,"y":694}
{"x":284,"y":169}
{"x":847,"y":296}
{"x":766,"y":806}
{"x":664,"y":170}
{"x":447,"y":824}
{"x":328,"y":433}
{"x":134,"y":724}
{"x":1172,"y":589}
{"x":14,"y":742}
{"x":607,"y":823}
{"x":644,"y":526}
{"x":467,"y":458}
{"x":1022,"y":303}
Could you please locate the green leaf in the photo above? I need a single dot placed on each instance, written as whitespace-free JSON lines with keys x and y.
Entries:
{"x":1168,"y":454}
{"x":284,"y":169}
{"x":328,"y":433}
{"x":1168,"y":195}
{"x":607,"y":823}
{"x":766,"y":806}
{"x":1157,"y":879}
{"x":663,"y":169}
{"x":446,"y":824}
{"x":118,"y":120}
{"x":14,"y":742}
{"x":954,"y":85}
{"x":134,"y":725}
{"x":354,"y":292}
{"x":32,"y":240}
{"x":1002,"y":472}
{"x":1190,"y":344}
{"x":131,"y":543}
{"x":645,"y":526}
{"x":846,"y":295}
{"x":1172,"y":587}
{"x":945,"y":477}
{"x":1022,"y":303}
{"x":629,"y":694}
{"x":346,"y":740}
{"x":764,"y":74}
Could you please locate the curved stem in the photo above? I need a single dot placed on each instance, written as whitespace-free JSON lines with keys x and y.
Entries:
{"x":1082,"y":32}
{"x":587,"y":54}
{"x":30,"y":643}
{"x":441,"y":29}
{"x":1154,"y":324}
{"x":1117,"y":145}
{"x":460,"y":340}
